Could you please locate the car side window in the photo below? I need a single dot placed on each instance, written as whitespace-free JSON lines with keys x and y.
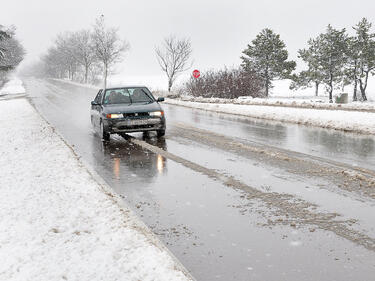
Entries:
{"x":98,"y":98}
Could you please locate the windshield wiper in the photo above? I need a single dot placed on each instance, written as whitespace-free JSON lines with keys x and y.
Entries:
{"x":151,"y":99}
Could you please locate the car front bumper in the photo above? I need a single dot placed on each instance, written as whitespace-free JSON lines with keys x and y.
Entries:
{"x":123,"y":125}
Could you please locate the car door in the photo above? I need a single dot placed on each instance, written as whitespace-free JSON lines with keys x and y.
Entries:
{"x":96,"y":108}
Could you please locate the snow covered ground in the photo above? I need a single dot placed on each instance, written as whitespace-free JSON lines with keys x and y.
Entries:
{"x":56,"y":221}
{"x":13,"y":87}
{"x":90,"y":86}
{"x":352,"y":121}
{"x":300,"y":102}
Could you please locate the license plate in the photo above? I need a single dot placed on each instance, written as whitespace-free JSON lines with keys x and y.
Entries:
{"x":137,"y":122}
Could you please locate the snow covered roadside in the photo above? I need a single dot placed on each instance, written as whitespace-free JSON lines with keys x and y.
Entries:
{"x":56,"y":221}
{"x":351,"y":121}
{"x":90,"y":86}
{"x":302,"y":102}
{"x":13,"y":87}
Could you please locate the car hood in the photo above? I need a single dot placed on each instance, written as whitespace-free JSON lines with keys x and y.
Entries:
{"x":130,"y":108}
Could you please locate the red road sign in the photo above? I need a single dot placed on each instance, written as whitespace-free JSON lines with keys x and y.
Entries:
{"x":196,"y":73}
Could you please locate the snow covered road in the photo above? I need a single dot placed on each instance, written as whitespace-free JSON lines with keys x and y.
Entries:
{"x":56,"y":221}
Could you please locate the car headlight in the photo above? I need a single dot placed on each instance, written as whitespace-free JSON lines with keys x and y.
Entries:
{"x":157,"y":113}
{"x":112,"y":116}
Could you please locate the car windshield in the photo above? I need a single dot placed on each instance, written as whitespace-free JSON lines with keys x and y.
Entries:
{"x":127,"y":95}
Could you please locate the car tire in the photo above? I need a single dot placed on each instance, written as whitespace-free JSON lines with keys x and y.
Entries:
{"x":103,"y":134}
{"x":160,"y":133}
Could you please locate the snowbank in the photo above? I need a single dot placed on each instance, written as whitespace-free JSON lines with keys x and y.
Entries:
{"x":353,"y":121}
{"x":301,"y":102}
{"x":12,"y":87}
{"x":56,"y":221}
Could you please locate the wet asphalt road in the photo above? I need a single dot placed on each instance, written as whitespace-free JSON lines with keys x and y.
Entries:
{"x":236,"y":198}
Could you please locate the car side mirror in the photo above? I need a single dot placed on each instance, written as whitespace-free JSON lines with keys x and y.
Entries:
{"x":160,"y":99}
{"x":94,"y":103}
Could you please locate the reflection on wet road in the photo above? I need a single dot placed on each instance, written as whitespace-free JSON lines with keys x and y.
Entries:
{"x":228,"y":208}
{"x":349,"y":148}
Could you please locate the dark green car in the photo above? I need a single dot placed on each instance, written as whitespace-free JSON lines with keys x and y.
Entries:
{"x":126,"y":110}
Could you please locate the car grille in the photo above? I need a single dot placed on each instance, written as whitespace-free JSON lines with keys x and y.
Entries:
{"x":136,"y":115}
{"x":136,"y":127}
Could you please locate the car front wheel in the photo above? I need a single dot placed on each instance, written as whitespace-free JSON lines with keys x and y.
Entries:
{"x":103,"y":134}
{"x":160,"y":133}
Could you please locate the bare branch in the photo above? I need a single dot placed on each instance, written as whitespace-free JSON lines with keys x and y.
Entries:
{"x":173,"y":57}
{"x":108,"y":46}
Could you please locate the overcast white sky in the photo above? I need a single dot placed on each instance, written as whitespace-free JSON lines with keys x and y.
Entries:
{"x":219,"y":30}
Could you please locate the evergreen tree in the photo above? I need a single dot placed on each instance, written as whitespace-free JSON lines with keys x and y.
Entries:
{"x":330,"y":55}
{"x":313,"y":74}
{"x":267,"y":56}
{"x":365,"y":52}
{"x":351,"y":71}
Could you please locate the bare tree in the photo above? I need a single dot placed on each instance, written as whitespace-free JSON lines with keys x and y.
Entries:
{"x":66,"y":50}
{"x":54,"y":63}
{"x":80,"y":55}
{"x":108,"y":46}
{"x":73,"y":54}
{"x":173,"y":57}
{"x":83,"y":50}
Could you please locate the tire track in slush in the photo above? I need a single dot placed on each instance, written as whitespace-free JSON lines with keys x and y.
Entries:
{"x":353,"y":179}
{"x":294,"y":211}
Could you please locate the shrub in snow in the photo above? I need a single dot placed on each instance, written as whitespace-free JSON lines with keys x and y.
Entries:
{"x":225,"y":83}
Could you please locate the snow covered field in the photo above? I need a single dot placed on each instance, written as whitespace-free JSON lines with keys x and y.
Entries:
{"x":56,"y":221}
{"x":352,"y":121}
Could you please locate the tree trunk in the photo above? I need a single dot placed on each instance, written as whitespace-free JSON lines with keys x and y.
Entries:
{"x":362,"y":87}
{"x":169,"y":84}
{"x":355,"y":81}
{"x":316,"y":88}
{"x":86,"y":72}
{"x":105,"y":75}
{"x":363,"y":93}
{"x":267,"y":82}
{"x":355,"y":90}
{"x":330,"y":88}
{"x":330,"y":95}
{"x":364,"y":97}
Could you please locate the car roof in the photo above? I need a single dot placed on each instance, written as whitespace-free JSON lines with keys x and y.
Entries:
{"x":127,"y":86}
